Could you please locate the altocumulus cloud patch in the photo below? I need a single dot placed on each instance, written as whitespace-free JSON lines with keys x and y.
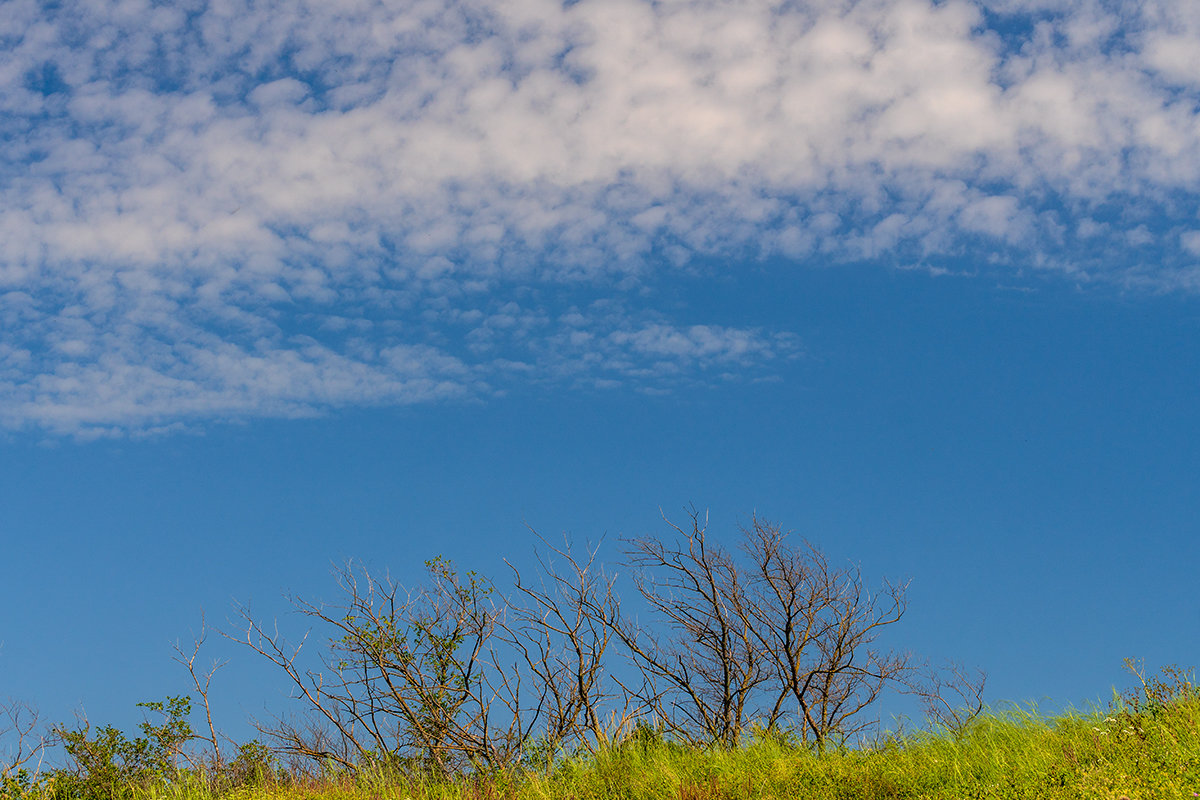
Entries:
{"x":227,"y":209}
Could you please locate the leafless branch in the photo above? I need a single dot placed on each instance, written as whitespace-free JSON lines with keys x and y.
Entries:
{"x":701,"y":674}
{"x":202,"y":681}
{"x":560,"y":633}
{"x":19,"y":730}
{"x":952,"y":697}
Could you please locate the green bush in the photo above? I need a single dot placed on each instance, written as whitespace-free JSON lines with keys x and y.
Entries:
{"x":108,"y":765}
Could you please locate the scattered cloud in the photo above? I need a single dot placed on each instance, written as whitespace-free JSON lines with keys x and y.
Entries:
{"x":258,"y":207}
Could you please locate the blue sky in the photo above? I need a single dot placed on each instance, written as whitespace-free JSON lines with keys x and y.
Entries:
{"x":287,"y":283}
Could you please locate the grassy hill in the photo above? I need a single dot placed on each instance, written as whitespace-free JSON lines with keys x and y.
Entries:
{"x":1143,"y":746}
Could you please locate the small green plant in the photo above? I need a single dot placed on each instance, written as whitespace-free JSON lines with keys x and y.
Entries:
{"x":646,"y":737}
{"x":255,"y":765}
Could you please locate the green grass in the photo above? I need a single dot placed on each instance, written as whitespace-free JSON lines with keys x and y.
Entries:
{"x":1013,"y":754}
{"x":1150,"y":752}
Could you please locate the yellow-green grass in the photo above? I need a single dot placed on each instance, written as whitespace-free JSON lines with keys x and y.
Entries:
{"x":1008,"y":754}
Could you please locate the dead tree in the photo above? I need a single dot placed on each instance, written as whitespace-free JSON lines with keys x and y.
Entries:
{"x":777,"y":638}
{"x":816,"y":628}
{"x":699,"y":660}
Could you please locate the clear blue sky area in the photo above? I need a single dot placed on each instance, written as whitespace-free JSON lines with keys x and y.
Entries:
{"x":1027,"y":459}
{"x":284,"y":284}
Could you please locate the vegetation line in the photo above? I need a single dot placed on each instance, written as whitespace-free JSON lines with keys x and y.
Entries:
{"x":1145,"y":746}
{"x":750,"y":675}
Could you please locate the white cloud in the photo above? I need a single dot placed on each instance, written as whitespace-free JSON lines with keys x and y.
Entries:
{"x":704,"y":342}
{"x":1191,"y":242}
{"x":191,"y":190}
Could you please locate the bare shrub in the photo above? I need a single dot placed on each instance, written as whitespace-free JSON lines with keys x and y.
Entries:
{"x":776,"y":638}
{"x":952,"y":697}
{"x":452,"y":677}
{"x":23,"y":740}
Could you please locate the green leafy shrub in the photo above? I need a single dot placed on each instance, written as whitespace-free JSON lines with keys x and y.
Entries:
{"x":255,"y":765}
{"x":108,"y":765}
{"x":17,"y":785}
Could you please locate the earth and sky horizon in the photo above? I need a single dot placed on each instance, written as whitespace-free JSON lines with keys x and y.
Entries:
{"x":284,"y":284}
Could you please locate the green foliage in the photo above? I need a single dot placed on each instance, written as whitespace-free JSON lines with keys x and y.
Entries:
{"x":645,"y":737}
{"x":107,"y":765}
{"x":18,"y":785}
{"x":254,"y":765}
